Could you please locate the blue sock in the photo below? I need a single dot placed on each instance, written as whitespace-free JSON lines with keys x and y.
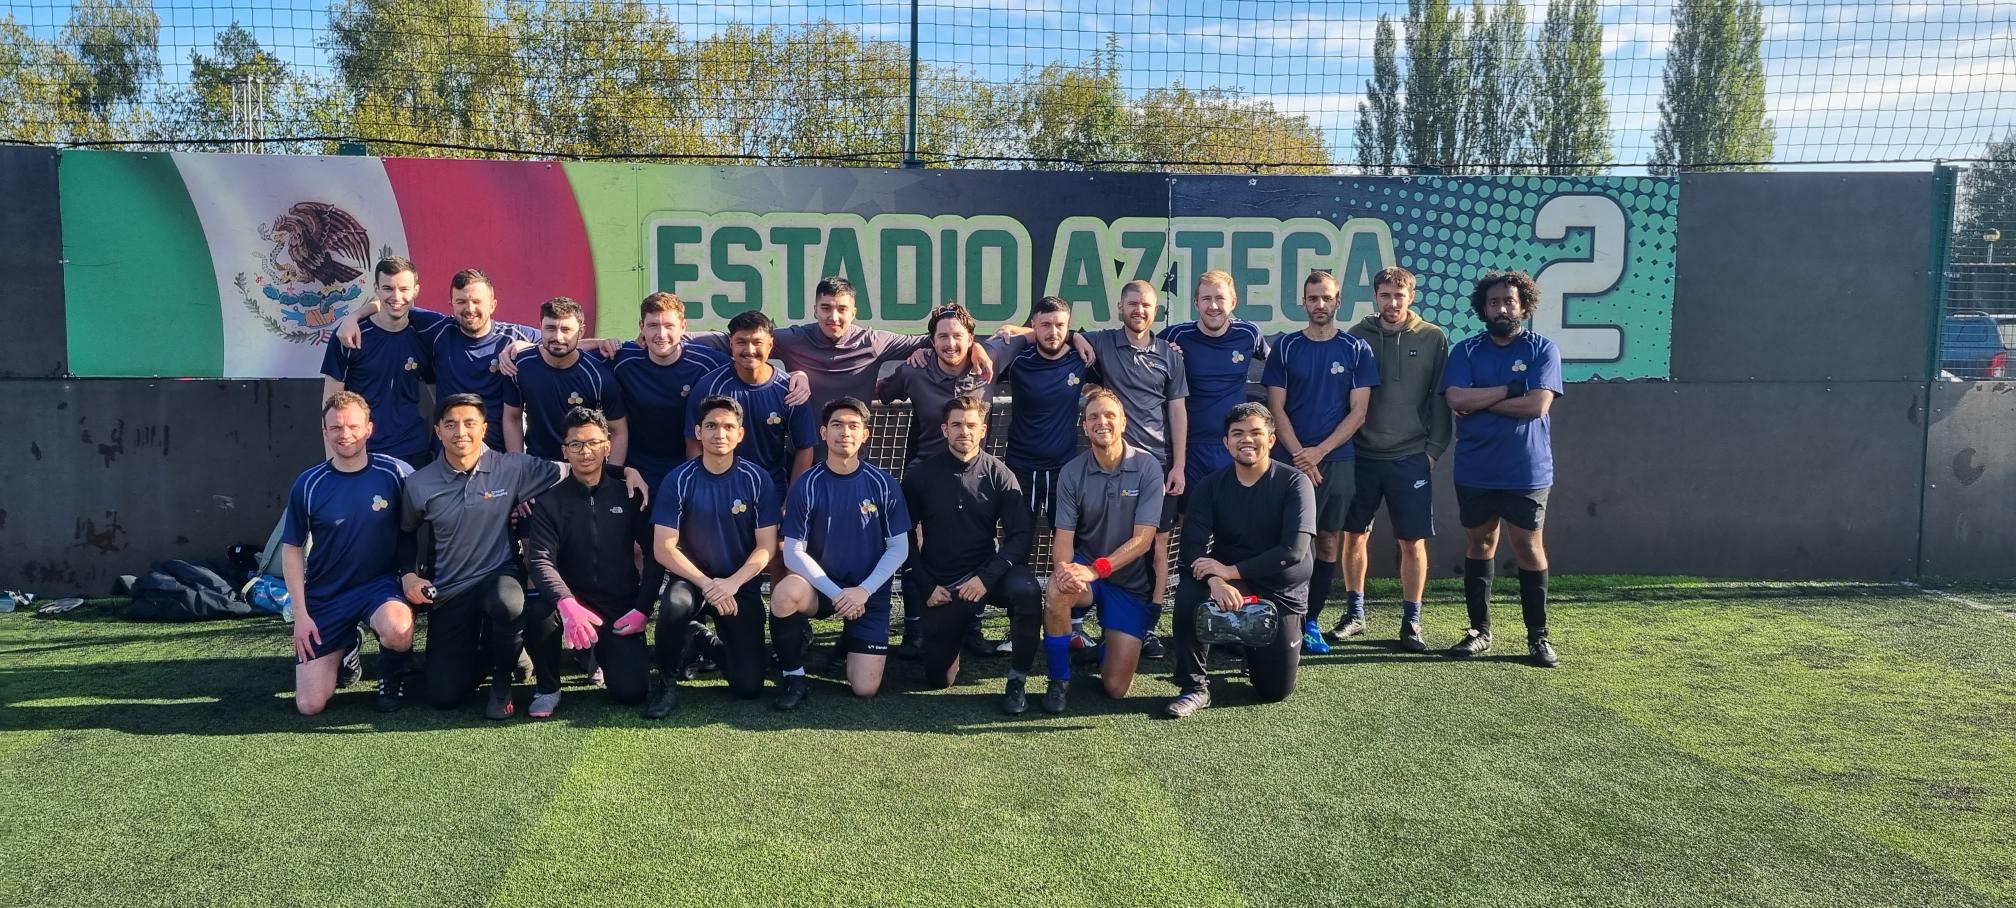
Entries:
{"x":1354,"y":604}
{"x":1410,"y":612}
{"x":1057,"y":652}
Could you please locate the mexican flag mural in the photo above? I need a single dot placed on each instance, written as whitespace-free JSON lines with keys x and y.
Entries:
{"x":238,"y":266}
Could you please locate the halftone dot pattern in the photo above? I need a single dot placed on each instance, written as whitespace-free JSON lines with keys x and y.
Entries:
{"x":1450,"y":231}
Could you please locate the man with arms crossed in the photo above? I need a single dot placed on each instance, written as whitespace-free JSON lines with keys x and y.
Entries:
{"x":1406,"y":430}
{"x":960,"y":498}
{"x":846,"y":532}
{"x":1319,"y":382}
{"x":1502,"y":385}
{"x":717,"y":533}
{"x":1109,"y":504}
{"x":348,"y":507}
{"x":554,"y":380}
{"x":581,"y":545}
{"x":390,"y":361}
{"x":1246,"y":533}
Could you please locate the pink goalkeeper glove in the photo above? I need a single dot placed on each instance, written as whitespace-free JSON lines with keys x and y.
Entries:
{"x":632,"y":622}
{"x":578,"y":624}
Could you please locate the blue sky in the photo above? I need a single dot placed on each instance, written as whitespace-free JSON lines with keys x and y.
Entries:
{"x":1853,"y":80}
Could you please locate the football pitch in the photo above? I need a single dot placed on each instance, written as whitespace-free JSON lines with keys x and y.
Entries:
{"x":1703,"y":743}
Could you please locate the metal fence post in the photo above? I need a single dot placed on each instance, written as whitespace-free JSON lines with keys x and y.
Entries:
{"x":1945,"y":187}
{"x":910,"y":134}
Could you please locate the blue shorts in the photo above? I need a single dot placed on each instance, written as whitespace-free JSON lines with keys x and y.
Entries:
{"x":868,"y":634}
{"x":337,"y":617}
{"x":1120,"y":610}
{"x":1409,"y":492}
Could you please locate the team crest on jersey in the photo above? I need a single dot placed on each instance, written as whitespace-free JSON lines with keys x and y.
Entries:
{"x":1519,"y":365}
{"x":738,"y":507}
{"x":685,"y":390}
{"x":493,"y":365}
{"x":575,"y":399}
{"x":378,"y":503}
{"x":774,"y":419}
{"x":1238,"y":357}
{"x":412,"y":364}
{"x":1073,"y":381}
{"x":1336,"y":368}
{"x":310,"y":274}
{"x":868,"y":508}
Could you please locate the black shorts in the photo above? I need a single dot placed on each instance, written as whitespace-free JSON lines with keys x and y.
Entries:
{"x":1039,"y":489}
{"x":1334,"y":494}
{"x":1522,"y":508}
{"x":1406,"y":487}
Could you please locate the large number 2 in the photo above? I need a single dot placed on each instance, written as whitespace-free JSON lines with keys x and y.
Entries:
{"x":1604,"y":219}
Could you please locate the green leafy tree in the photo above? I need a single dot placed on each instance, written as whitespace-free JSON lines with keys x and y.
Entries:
{"x":1712,"y":116}
{"x":602,"y":77}
{"x":1379,"y":115}
{"x":1498,"y":131}
{"x":1438,"y":82}
{"x":1988,"y":203}
{"x":32,"y":86}
{"x":113,"y":49}
{"x":1571,"y":115}
{"x":1069,"y":116}
{"x":427,"y":71}
{"x":1215,"y":131}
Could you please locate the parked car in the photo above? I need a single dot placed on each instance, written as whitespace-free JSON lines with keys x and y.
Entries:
{"x":1970,"y":345}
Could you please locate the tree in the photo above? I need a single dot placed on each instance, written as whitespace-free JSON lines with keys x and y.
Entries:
{"x":1379,"y":114}
{"x":1215,"y":131}
{"x":1497,"y":134}
{"x":202,"y":114}
{"x":32,"y":86}
{"x":1571,"y":115}
{"x":1437,"y":82}
{"x":758,"y":93}
{"x":1068,"y":116}
{"x":111,"y":50}
{"x":1988,"y":203}
{"x":427,"y":71}
{"x":1712,"y":116}
{"x":602,"y":77}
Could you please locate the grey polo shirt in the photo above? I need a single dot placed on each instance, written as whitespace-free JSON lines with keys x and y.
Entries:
{"x":1147,"y":378}
{"x":1103,"y":507}
{"x":469,"y":514}
{"x":928,"y":389}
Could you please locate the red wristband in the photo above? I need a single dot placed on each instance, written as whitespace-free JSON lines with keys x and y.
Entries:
{"x":1103,"y":567}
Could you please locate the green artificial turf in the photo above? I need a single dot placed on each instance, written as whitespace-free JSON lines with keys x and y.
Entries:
{"x":1703,"y":743}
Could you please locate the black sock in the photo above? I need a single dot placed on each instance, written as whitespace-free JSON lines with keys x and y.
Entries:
{"x":1320,"y":578}
{"x":391,"y":663}
{"x":791,"y":635}
{"x":1533,"y":602}
{"x":1477,"y":592}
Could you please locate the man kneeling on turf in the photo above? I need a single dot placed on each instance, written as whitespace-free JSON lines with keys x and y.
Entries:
{"x":349,"y":506}
{"x":846,"y":531}
{"x":1109,"y":504}
{"x":581,"y":550}
{"x":1246,"y":535}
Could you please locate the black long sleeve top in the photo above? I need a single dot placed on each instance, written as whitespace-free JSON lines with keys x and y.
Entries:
{"x":957,"y":506}
{"x":1263,"y":530}
{"x":578,"y":543}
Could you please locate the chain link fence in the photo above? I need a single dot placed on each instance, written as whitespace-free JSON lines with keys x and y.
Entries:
{"x":1977,"y":304}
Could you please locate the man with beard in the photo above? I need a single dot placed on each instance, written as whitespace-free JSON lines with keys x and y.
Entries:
{"x":1502,"y":385}
{"x":581,"y":546}
{"x":1319,"y":383}
{"x":717,"y":533}
{"x":1109,"y":503}
{"x":1218,"y":355}
{"x":463,"y":503}
{"x":1406,"y":429}
{"x":347,"y":507}
{"x":389,"y":363}
{"x":960,"y":499}
{"x":846,"y":532}
{"x":1246,"y":534}
{"x":657,"y":373}
{"x":780,"y":437}
{"x":554,"y":380}
{"x":471,"y":353}
{"x":1045,"y":380}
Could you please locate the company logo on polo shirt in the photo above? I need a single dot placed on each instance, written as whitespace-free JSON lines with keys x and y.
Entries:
{"x":1130,"y":493}
{"x":575,"y":399}
{"x":378,"y":503}
{"x":1072,"y":381}
{"x":1238,"y":357}
{"x":738,"y":507}
{"x":1336,"y":368}
{"x":1519,"y":365}
{"x":868,"y":507}
{"x":412,"y":364}
{"x":495,"y":493}
{"x":774,"y":419}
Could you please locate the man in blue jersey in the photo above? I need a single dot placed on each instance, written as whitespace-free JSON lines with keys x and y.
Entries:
{"x":1109,"y":504}
{"x":1501,"y":385}
{"x":471,"y":353}
{"x":348,"y":508}
{"x":780,"y":437}
{"x":554,"y":380}
{"x":1319,"y":384}
{"x":717,"y":533}
{"x":1219,"y":352}
{"x":391,"y":360}
{"x":846,"y":532}
{"x":657,"y":372}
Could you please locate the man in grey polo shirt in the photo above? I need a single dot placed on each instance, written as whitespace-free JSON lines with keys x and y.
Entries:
{"x":1109,"y":499}
{"x":463,"y":501}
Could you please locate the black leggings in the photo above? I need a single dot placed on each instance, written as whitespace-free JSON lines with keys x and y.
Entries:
{"x":1272,"y":667}
{"x":743,"y":660}
{"x":945,"y":626}
{"x":496,"y":604}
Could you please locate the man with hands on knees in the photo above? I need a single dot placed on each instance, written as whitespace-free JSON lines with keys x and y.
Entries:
{"x":717,"y":533}
{"x":581,"y":544}
{"x":1247,"y":537}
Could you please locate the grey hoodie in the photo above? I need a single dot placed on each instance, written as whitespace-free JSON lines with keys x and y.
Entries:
{"x":1407,"y":415}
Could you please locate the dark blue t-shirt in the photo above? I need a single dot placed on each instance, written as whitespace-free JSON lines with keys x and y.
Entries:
{"x":468,"y":365}
{"x":1494,"y":451}
{"x":1319,"y":377}
{"x":387,"y":368}
{"x":773,"y":429}
{"x":846,"y":521}
{"x":1043,"y":424}
{"x":717,"y":516}
{"x":655,"y":397}
{"x":547,"y":393}
{"x":1217,"y":368}
{"x":353,"y":520}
